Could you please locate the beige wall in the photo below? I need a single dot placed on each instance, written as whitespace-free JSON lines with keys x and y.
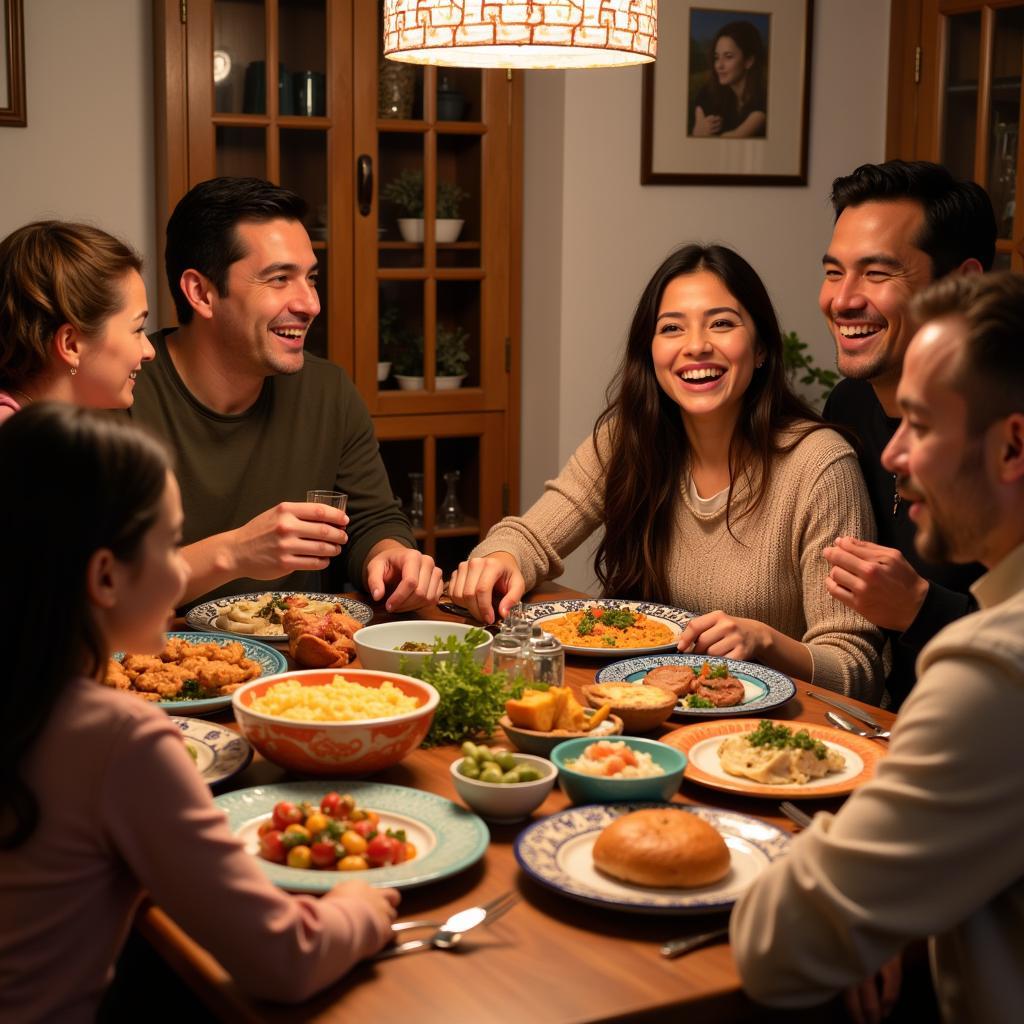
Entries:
{"x":87,"y":151}
{"x":592,"y":228}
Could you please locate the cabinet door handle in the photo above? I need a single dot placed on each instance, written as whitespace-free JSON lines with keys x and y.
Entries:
{"x":364,"y":186}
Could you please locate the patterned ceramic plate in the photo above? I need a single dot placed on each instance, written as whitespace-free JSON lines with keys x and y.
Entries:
{"x":204,"y":616}
{"x":448,"y":838}
{"x":700,"y":744}
{"x":558,"y":852}
{"x":219,"y":752}
{"x":270,"y":662}
{"x":763,"y":688}
{"x":542,"y":612}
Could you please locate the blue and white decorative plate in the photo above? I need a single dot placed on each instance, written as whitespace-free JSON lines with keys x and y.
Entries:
{"x":763,"y":688}
{"x":204,"y":616}
{"x":448,"y":838}
{"x":270,"y":662}
{"x":675,"y":619}
{"x":557,"y":851}
{"x":219,"y":752}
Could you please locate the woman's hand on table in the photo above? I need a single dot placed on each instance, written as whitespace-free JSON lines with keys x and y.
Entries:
{"x":725,"y":636}
{"x":480,"y":583}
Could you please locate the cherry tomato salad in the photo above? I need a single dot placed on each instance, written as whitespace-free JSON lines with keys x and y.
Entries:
{"x":336,"y":836}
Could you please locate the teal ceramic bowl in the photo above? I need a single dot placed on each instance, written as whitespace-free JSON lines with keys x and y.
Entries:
{"x":581,"y":788}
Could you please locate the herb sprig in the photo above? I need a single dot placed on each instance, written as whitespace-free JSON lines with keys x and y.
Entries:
{"x":781,"y":738}
{"x":472,"y":700}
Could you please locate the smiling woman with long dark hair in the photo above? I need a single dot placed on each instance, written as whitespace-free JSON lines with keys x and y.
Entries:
{"x":717,"y":487}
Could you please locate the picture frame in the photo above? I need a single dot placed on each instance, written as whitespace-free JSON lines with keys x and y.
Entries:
{"x":12,"y":64}
{"x":727,"y":102}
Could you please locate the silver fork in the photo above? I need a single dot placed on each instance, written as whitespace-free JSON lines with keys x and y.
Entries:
{"x":450,"y":933}
{"x":872,"y":734}
{"x":795,"y":815}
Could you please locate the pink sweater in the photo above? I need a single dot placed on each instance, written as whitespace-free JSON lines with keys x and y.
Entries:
{"x":123,"y":810}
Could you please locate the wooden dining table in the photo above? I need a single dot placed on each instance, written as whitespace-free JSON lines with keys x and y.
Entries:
{"x":550,"y":959}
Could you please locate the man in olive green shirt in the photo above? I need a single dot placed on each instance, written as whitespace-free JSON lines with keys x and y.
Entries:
{"x":255,"y":422}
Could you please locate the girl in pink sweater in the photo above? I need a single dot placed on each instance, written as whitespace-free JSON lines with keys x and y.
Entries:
{"x":99,"y":800}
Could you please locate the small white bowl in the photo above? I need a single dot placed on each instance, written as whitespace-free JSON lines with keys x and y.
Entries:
{"x":376,"y":645}
{"x":504,"y":802}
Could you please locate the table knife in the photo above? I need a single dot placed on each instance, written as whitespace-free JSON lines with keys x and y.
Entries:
{"x":861,"y":716}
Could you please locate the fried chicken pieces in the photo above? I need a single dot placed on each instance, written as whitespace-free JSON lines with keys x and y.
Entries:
{"x":216,"y":670}
{"x":320,"y":639}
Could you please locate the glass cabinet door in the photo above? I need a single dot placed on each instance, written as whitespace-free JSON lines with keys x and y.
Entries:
{"x":979,"y":102}
{"x":278,"y":125}
{"x":428,"y":278}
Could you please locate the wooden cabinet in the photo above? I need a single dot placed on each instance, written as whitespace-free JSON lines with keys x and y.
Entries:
{"x":414,"y":182}
{"x":955,"y":79}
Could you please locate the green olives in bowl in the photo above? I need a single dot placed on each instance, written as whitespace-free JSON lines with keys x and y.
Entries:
{"x":499,"y":785}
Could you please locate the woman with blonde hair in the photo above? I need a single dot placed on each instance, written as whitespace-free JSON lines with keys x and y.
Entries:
{"x":72,"y":317}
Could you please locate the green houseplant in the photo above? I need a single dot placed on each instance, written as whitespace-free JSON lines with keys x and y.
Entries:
{"x":389,"y":336}
{"x":800,"y":365}
{"x":452,"y":352}
{"x":406,"y":192}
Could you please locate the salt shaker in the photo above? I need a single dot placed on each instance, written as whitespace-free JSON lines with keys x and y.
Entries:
{"x":546,"y":658}
{"x":507,"y":652}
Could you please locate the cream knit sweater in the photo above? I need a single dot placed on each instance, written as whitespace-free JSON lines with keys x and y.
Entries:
{"x":772,"y":570}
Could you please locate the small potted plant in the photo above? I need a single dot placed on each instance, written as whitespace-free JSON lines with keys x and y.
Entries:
{"x":452,"y":357}
{"x":406,"y":192}
{"x":407,"y":363}
{"x":389,"y":336}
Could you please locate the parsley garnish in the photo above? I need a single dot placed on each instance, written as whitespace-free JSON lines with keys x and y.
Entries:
{"x":781,"y":738}
{"x":471,"y":700}
{"x":695,"y":700}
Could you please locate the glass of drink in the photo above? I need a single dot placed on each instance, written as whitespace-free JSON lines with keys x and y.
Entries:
{"x":336,"y":499}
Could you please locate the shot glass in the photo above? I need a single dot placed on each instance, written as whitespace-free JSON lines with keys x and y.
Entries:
{"x":334,"y":498}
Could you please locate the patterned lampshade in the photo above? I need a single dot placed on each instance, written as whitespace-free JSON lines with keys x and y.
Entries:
{"x":521,"y":33}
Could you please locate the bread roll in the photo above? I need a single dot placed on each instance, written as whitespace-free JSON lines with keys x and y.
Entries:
{"x":662,"y":848}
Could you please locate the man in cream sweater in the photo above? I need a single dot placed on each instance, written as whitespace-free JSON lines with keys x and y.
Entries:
{"x":934,"y":845}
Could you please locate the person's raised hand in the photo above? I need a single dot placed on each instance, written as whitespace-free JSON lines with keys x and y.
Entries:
{"x":876,"y":581}
{"x":725,"y":636}
{"x":481,"y":583}
{"x":408,"y":577}
{"x":291,"y":536}
{"x":705,"y":125}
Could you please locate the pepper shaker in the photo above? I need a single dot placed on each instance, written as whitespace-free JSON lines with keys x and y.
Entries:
{"x":546,"y":658}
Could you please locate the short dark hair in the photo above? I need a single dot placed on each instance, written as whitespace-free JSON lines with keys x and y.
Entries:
{"x":959,"y":223}
{"x":201,"y":232}
{"x":990,"y":371}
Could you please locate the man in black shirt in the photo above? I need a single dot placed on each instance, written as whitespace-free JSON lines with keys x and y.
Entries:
{"x":898,"y":227}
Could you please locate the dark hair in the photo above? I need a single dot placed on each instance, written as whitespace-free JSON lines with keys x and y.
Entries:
{"x":201,"y":232}
{"x":53,"y":273}
{"x":959,"y":223}
{"x":650,"y":452}
{"x":746,"y":36}
{"x":990,"y":371}
{"x":116,"y":476}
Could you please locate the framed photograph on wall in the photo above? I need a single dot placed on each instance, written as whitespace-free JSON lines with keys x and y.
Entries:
{"x":727,"y":102}
{"x":12,"y":64}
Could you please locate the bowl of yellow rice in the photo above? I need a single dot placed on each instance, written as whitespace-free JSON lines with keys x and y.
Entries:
{"x":340,"y":722}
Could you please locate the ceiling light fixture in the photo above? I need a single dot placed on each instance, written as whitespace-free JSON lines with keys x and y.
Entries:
{"x":521,"y":33}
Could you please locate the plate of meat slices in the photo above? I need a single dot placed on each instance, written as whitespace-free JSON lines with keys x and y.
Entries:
{"x":195,"y":673}
{"x":706,"y":687}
